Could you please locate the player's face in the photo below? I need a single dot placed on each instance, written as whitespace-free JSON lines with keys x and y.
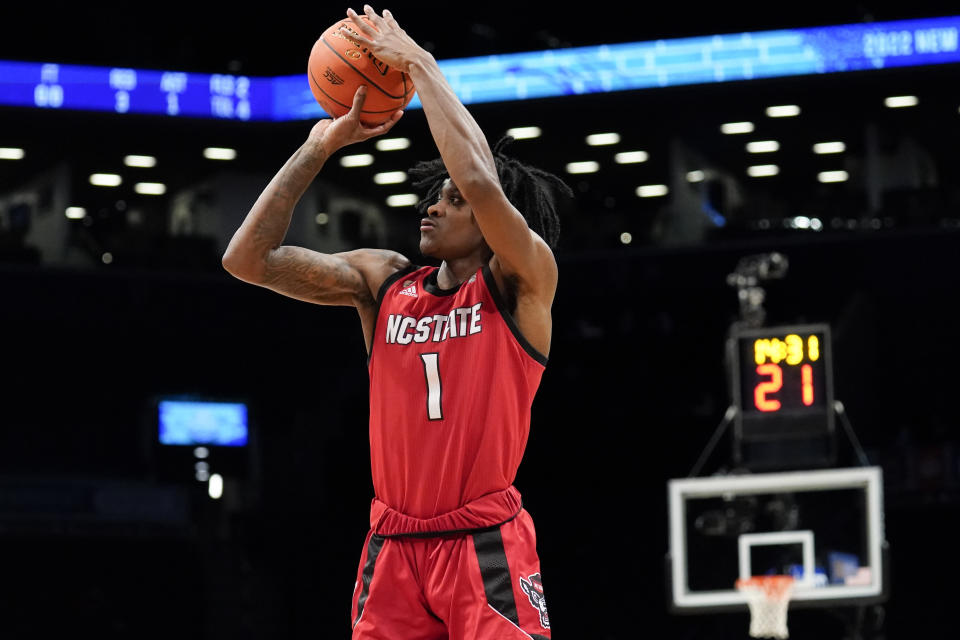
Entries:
{"x":449,"y":230}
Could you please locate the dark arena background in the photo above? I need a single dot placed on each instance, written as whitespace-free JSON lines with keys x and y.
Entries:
{"x":113,"y":299}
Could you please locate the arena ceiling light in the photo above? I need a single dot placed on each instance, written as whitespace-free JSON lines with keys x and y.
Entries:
{"x":783,"y":111}
{"x":524,"y":133}
{"x":393,"y":144}
{"x":601,"y":139}
{"x":833,"y":176}
{"x":733,"y":128}
{"x":763,"y":146}
{"x":215,"y":486}
{"x":898,"y":102}
{"x":75,"y":213}
{"x":824,"y":148}
{"x":588,"y":166}
{"x":11,"y":153}
{"x":652,"y":190}
{"x":219,"y":153}
{"x":150,"y":188}
{"x":695,"y":176}
{"x":763,"y":170}
{"x":146,"y":162}
{"x":105,"y":180}
{"x":390,"y":177}
{"x":403,"y":200}
{"x":631,"y":157}
{"x":357,"y":160}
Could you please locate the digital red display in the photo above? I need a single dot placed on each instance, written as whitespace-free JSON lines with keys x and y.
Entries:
{"x":783,"y":371}
{"x":781,"y":385}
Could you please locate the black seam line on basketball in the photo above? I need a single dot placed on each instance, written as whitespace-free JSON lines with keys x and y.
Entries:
{"x":495,"y":572}
{"x":346,"y":106}
{"x":362,"y":75}
{"x":508,"y":318}
{"x":380,"y":296}
{"x":373,"y":550}
{"x":449,"y":532}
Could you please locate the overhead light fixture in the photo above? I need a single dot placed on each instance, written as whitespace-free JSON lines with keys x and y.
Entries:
{"x":215,"y":486}
{"x":390,"y":177}
{"x":403,"y":200}
{"x":105,"y":180}
{"x":140,"y":161}
{"x":150,"y":188}
{"x":652,"y":190}
{"x":393,"y":144}
{"x":731,"y":128}
{"x":588,"y":166}
{"x":763,"y":146}
{"x":626,"y":237}
{"x":631,"y":157}
{"x":524,"y":133}
{"x":219,"y":153}
{"x":833,"y":176}
{"x":600,"y":139}
{"x":358,"y":160}
{"x":763,"y":170}
{"x":695,"y":176}
{"x":322,"y":218}
{"x":897,"y":102}
{"x":783,"y":111}
{"x":75,"y":213}
{"x":823,"y":148}
{"x":11,"y":153}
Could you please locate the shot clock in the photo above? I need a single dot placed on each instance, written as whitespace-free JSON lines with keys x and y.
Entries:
{"x":783,"y":392}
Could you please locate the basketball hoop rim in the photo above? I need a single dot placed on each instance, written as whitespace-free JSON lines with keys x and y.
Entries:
{"x":774,"y":586}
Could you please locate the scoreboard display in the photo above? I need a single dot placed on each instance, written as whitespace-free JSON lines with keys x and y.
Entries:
{"x":524,"y":75}
{"x":782,"y":383}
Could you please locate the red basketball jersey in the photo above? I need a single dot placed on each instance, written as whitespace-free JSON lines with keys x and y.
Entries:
{"x":451,"y":385}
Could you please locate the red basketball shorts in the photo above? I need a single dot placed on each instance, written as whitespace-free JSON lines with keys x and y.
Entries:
{"x":477,"y":585}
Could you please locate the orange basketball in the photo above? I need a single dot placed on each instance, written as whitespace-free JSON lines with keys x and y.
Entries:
{"x":337,"y":66}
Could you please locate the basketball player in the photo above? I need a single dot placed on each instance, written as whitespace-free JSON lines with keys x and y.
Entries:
{"x":455,"y":356}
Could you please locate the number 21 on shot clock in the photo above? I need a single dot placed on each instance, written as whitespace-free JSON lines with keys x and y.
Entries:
{"x":782,"y":377}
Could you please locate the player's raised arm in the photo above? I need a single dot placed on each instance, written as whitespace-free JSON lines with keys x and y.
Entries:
{"x":255,"y":253}
{"x":465,"y":153}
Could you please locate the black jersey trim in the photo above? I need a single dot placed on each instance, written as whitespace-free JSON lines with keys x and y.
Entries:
{"x":430,"y":285}
{"x":508,"y":317}
{"x":393,"y":277}
{"x":373,"y":550}
{"x":495,"y":572}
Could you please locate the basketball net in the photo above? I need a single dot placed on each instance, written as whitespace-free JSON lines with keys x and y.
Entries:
{"x":768,"y":598}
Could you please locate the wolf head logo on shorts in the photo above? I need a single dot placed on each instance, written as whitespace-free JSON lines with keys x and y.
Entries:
{"x":533,"y":587}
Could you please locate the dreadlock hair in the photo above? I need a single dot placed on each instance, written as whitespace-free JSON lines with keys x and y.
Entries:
{"x":531,"y":190}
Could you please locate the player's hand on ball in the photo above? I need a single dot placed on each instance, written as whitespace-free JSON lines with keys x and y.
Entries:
{"x":388,"y":41}
{"x":336,"y":133}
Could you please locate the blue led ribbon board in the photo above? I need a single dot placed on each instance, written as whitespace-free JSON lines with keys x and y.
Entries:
{"x":502,"y":78}
{"x":192,"y":423}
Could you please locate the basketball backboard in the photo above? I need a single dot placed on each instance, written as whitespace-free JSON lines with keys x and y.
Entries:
{"x":823,"y":527}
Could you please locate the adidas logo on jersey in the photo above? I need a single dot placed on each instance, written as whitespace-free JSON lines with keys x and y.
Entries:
{"x":409,"y":291}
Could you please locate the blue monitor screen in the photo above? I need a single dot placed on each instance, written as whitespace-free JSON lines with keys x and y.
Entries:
{"x":503,"y":77}
{"x":199,"y":422}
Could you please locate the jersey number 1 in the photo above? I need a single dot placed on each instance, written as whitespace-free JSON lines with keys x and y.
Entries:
{"x":431,"y":371}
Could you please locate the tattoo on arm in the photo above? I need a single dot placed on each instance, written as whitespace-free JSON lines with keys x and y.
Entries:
{"x":288,"y":187}
{"x":316,"y":277}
